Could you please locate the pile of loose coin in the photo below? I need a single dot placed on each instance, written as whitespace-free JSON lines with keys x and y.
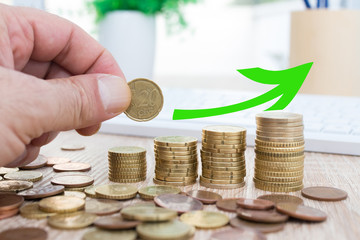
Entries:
{"x":279,"y":149}
{"x":223,"y":157}
{"x":127,"y":164}
{"x":176,"y":160}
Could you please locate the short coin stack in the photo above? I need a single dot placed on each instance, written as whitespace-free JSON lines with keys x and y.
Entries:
{"x":223,"y":157}
{"x":279,"y":148}
{"x":176,"y":160}
{"x":127,"y":164}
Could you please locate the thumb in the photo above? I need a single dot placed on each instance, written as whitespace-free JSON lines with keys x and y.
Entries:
{"x":84,"y":100}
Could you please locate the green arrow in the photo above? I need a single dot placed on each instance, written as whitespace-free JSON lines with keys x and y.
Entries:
{"x":289,"y":82}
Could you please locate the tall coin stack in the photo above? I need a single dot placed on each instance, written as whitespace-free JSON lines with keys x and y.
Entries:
{"x":223,"y":157}
{"x":127,"y":164}
{"x":176,"y":160}
{"x":279,"y":149}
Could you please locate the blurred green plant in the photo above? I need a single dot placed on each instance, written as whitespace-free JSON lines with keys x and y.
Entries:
{"x":171,"y":9}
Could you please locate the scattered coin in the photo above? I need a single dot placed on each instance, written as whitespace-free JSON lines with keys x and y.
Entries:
{"x":278,"y":198}
{"x":24,"y":233}
{"x":102,"y":206}
{"x":5,"y":170}
{"x":205,"y":197}
{"x":61,"y":204}
{"x":72,"y":166}
{"x":255,"y":204}
{"x":227,"y":204}
{"x":10,"y":202}
{"x":39,"y":162}
{"x":73,"y":181}
{"x":301,"y":212}
{"x":236,"y":234}
{"x":8,"y":213}
{"x":178,"y":202}
{"x":324,"y":193}
{"x":149,"y":192}
{"x":32,"y":176}
{"x":205,"y":219}
{"x":146,"y":100}
{"x":263,"y":216}
{"x":152,"y":214}
{"x":164,"y":230}
{"x":14,"y":185}
{"x":116,"y":191}
{"x":115,"y":223}
{"x":51,"y":161}
{"x":99,"y":234}
{"x":90,"y":191}
{"x":72,"y":220}
{"x":32,"y":211}
{"x":261,"y":227}
{"x":75,"y":194}
{"x":72,"y":147}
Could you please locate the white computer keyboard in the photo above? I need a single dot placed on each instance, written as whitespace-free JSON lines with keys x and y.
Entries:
{"x":332,"y":123}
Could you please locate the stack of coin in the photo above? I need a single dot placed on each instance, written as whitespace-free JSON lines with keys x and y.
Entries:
{"x":223,"y":157}
{"x":279,"y":148}
{"x":176,"y":160}
{"x":127,"y":164}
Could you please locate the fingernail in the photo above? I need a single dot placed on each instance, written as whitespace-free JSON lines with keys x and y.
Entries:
{"x":114,"y":92}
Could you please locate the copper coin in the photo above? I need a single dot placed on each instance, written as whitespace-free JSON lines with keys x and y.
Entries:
{"x":324,"y":193}
{"x":236,"y":234}
{"x":8,"y":213}
{"x":278,"y":198}
{"x":263,"y":216}
{"x":178,"y":202}
{"x":41,"y":192}
{"x":39,"y":162}
{"x":261,"y":227}
{"x":206,"y":197}
{"x":115,"y":223}
{"x":10,"y":201}
{"x":227,"y":204}
{"x":73,"y":181}
{"x":51,"y":161}
{"x":73,"y":166}
{"x":255,"y":204}
{"x":301,"y":212}
{"x":24,"y":233}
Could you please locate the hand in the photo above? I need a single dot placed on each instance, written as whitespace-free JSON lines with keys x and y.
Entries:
{"x":35,"y":45}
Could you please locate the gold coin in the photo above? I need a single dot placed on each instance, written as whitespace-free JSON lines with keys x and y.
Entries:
{"x":272,"y":164}
{"x":223,"y":146}
{"x":223,"y":164}
{"x":98,"y":234}
{"x":223,"y":130}
{"x":160,"y":182}
{"x":233,"y":181}
{"x":120,"y":174}
{"x":176,"y":179}
{"x":205,"y":219}
{"x":280,"y":154}
{"x":127,"y":151}
{"x":170,"y":170}
{"x":178,"y":166}
{"x":280,"y":169}
{"x":175,"y":141}
{"x":134,"y":180}
{"x":102,"y":206}
{"x":5,"y":170}
{"x":146,"y":100}
{"x":278,"y":174}
{"x":280,"y":129}
{"x":223,"y":150}
{"x":278,"y":179}
{"x":14,"y":185}
{"x":224,"y":173}
{"x":278,"y":117}
{"x":218,"y":177}
{"x":77,"y":189}
{"x":278,"y":189}
{"x":278,"y":144}
{"x":210,"y":138}
{"x":207,"y":167}
{"x":90,"y":191}
{"x":32,"y":211}
{"x":72,"y":220}
{"x":280,"y":150}
{"x":116,"y":191}
{"x":131,"y":170}
{"x":221,"y":155}
{"x":217,"y":159}
{"x":174,"y":157}
{"x":280,"y":159}
{"x":176,"y":149}
{"x":61,"y":204}
{"x":160,"y":161}
{"x":223,"y":142}
{"x":222,"y":186}
{"x":76,"y":181}
{"x":75,"y":194}
{"x":280,"y":134}
{"x":174,"y":153}
{"x":280,"y":139}
{"x":172,"y":174}
{"x":32,"y":176}
{"x":153,"y":214}
{"x":150,"y":192}
{"x":173,"y":229}
{"x":277,"y":184}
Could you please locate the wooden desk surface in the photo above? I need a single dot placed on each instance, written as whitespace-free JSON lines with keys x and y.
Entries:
{"x":320,"y":169}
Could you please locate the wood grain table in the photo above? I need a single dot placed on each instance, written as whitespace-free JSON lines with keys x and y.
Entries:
{"x":320,"y":169}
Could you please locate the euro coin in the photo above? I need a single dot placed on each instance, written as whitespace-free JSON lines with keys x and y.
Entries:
{"x":32,"y":211}
{"x":32,"y":176}
{"x":61,"y":204}
{"x":116,"y":191}
{"x":175,"y":141}
{"x":146,"y":214}
{"x":205,"y":219}
{"x":14,"y":185}
{"x":72,"y":220}
{"x":150,"y":192}
{"x":173,"y":229}
{"x":5,"y":170}
{"x":224,"y":130}
{"x":99,"y":234}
